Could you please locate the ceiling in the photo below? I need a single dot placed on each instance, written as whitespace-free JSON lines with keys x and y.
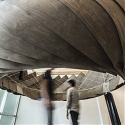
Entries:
{"x":83,"y":34}
{"x":90,"y":85}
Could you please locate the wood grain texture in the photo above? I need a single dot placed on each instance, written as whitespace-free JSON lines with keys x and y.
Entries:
{"x":83,"y":34}
{"x":68,"y":51}
{"x":88,"y":11}
{"x":121,"y":3}
{"x":58,"y":82}
{"x":118,"y":17}
{"x":45,"y":55}
{"x":16,"y":57}
{"x":59,"y":17}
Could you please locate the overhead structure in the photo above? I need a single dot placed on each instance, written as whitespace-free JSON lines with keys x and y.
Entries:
{"x":82,"y":34}
{"x":89,"y":85}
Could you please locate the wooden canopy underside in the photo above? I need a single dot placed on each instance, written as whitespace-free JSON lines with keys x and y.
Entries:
{"x":85,"y":34}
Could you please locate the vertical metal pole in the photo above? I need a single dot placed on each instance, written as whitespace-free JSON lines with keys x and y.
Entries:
{"x":115,"y":109}
{"x":21,"y":75}
{"x":17,"y":110}
{"x":112,"y":109}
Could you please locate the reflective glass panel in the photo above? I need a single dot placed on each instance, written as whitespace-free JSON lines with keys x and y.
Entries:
{"x":2,"y":99}
{"x":1,"y":95}
{"x":11,"y":104}
{"x":7,"y":120}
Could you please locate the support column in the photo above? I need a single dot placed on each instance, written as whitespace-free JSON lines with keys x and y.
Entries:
{"x":21,"y":75}
{"x":112,"y":109}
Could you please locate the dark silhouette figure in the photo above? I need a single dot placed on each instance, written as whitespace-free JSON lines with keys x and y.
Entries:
{"x":47,"y":94}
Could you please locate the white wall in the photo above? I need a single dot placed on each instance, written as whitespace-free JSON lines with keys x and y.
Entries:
{"x":89,"y":112}
{"x":104,"y":111}
{"x":93,"y":111}
{"x":33,"y":113}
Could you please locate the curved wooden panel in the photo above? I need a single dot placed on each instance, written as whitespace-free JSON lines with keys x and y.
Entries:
{"x":88,"y":11}
{"x":82,"y":34}
{"x":14,"y":57}
{"x":118,"y":17}
{"x":69,"y":53}
{"x":121,"y":3}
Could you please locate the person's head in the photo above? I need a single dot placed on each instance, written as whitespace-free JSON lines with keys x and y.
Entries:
{"x":47,"y":74}
{"x":72,"y":82}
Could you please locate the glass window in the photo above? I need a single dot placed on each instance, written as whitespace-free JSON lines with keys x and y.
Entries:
{"x":8,"y":107}
{"x":11,"y":104}
{"x":1,"y":95}
{"x":7,"y":120}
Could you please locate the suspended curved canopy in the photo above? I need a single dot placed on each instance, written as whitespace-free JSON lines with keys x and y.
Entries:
{"x":89,"y":86}
{"x":82,"y":34}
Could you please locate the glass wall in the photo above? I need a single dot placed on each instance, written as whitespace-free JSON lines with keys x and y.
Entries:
{"x":8,"y":107}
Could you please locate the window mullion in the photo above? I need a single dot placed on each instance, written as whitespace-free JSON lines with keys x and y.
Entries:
{"x":3,"y":102}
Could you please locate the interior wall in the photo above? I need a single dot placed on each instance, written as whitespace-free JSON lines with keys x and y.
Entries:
{"x":93,"y":111}
{"x":104,"y":111}
{"x":32,"y":112}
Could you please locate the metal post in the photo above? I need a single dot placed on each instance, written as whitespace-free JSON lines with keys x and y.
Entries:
{"x":21,"y":75}
{"x":112,"y":109}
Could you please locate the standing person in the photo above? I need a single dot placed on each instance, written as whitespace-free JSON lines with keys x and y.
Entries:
{"x":47,"y":94}
{"x":72,"y":103}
